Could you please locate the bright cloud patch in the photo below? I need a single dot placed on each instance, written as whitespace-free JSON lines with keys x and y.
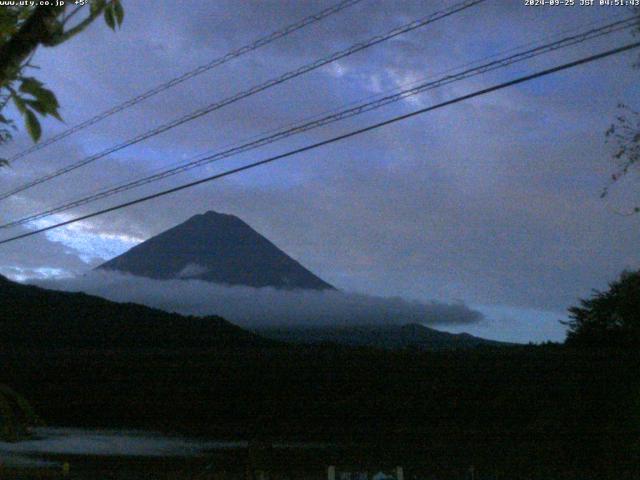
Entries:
{"x":90,"y":244}
{"x":192,"y":270}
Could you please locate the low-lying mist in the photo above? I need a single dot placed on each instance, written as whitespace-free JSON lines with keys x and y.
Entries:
{"x":265,"y":307}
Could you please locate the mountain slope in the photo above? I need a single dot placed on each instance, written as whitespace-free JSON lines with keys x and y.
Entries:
{"x":413,"y":336}
{"x":38,"y":319}
{"x":217,"y":248}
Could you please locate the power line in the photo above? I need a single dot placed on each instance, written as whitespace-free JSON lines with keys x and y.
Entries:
{"x":338,"y":138}
{"x":246,"y":93}
{"x":261,"y":42}
{"x":340,"y":115}
{"x":608,"y":29}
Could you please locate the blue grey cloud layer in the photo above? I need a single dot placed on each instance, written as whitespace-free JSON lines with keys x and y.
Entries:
{"x":491,"y":202}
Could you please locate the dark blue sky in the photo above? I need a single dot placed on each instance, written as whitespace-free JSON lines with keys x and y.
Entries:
{"x":493,"y":201}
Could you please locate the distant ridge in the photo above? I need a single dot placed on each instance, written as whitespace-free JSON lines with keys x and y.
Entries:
{"x":36,"y":319}
{"x":216,"y":247}
{"x":389,"y":337}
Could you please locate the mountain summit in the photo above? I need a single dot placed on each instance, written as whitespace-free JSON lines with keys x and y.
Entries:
{"x":218,"y":248}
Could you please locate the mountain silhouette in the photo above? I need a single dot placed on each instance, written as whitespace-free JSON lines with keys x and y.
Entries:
{"x":218,"y":248}
{"x":36,"y":319}
{"x":390,"y":337}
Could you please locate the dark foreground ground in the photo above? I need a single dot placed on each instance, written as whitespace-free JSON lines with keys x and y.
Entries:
{"x":543,"y":412}
{"x":234,"y":464}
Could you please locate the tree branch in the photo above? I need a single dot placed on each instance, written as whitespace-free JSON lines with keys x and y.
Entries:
{"x":39,"y":28}
{"x":64,"y":36}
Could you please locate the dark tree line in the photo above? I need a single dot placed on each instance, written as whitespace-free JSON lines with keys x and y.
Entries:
{"x":610,"y":318}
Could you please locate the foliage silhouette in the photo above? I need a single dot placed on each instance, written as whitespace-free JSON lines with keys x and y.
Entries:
{"x":624,"y":133}
{"x":610,"y":318}
{"x":25,"y":27}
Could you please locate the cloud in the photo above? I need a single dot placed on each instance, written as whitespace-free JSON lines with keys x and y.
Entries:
{"x":38,"y":257}
{"x":493,"y":201}
{"x":192,"y":270}
{"x":256,"y":307}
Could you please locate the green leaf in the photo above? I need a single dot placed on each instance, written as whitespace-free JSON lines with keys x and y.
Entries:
{"x":118,"y":11}
{"x":109,"y":17}
{"x":95,"y":6}
{"x":44,"y":102}
{"x":25,"y":12}
{"x":54,"y":113}
{"x":19,"y":104}
{"x":47,"y":98}
{"x":37,"y":106}
{"x":33,"y":125}
{"x":7,"y":23}
{"x":36,"y":88}
{"x":31,"y":85}
{"x":43,"y":109}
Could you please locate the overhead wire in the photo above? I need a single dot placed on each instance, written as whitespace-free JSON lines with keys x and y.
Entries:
{"x":440,"y":14}
{"x":201,"y":160}
{"x":261,"y":42}
{"x":335,"y":139}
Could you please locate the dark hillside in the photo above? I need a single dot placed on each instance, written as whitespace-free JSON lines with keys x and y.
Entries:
{"x":34,"y":318}
{"x":391,"y":337}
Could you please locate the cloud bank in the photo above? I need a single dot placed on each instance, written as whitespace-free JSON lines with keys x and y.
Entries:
{"x":259,"y":307}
